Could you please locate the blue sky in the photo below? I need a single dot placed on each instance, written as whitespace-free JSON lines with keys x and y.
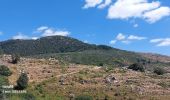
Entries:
{"x":141,"y":25}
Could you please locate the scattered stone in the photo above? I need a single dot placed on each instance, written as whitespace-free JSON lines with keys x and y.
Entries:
{"x":110,"y":79}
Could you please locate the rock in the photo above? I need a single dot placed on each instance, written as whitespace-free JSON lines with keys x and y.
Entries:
{"x":110,"y":79}
{"x":61,"y":80}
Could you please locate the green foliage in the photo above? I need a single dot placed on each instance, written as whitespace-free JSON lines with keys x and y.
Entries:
{"x":28,"y":96}
{"x":159,"y":71}
{"x":112,"y":57}
{"x":22,"y":82}
{"x":137,"y":67}
{"x":4,"y":70}
{"x":1,"y":51}
{"x":15,"y":58}
{"x":3,"y":81}
{"x":52,"y":44}
{"x":39,"y":88}
{"x":83,"y":97}
{"x":108,"y":68}
{"x":101,"y":64}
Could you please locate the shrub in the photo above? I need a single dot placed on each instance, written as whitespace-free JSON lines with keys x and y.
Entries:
{"x":15,"y":58}
{"x":22,"y":82}
{"x":159,"y":71}
{"x":137,"y":67}
{"x":100,"y":64}
{"x":4,"y":70}
{"x":84,"y":97}
{"x":29,"y":96}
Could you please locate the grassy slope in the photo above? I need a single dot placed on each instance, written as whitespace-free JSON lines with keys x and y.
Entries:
{"x":113,"y":57}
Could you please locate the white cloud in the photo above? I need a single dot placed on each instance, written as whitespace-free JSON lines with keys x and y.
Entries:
{"x":157,"y":14}
{"x":150,"y":11}
{"x":85,"y":41}
{"x":113,"y":42}
{"x":133,"y":37}
{"x":23,"y":37}
{"x":34,"y":38}
{"x":46,"y":31}
{"x":20,"y":36}
{"x":120,"y":36}
{"x":161,"y":42}
{"x":126,"y":39}
{"x":105,"y":4}
{"x":51,"y":32}
{"x":42,"y":28}
{"x":92,"y":3}
{"x":135,"y":25}
{"x":124,"y":9}
{"x":156,"y":40}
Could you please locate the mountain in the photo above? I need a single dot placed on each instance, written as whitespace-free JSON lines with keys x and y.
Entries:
{"x":75,"y":51}
{"x":45,"y":45}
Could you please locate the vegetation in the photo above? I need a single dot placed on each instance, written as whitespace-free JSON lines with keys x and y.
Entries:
{"x":112,"y":57}
{"x":159,"y":71}
{"x":84,"y":97}
{"x":53,"y":44}
{"x":137,"y":67}
{"x":29,"y":96}
{"x":3,"y":81}
{"x":4,"y":70}
{"x":73,"y":51}
{"x":22,"y":82}
{"x":15,"y":58}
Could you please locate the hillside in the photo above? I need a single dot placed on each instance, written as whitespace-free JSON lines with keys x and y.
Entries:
{"x":75,"y":51}
{"x":45,"y":45}
{"x":54,"y":80}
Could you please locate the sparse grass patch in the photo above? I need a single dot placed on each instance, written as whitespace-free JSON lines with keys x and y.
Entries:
{"x":159,"y":71}
{"x":164,"y":84}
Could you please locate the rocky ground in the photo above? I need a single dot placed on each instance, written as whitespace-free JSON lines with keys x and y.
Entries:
{"x":59,"y":79}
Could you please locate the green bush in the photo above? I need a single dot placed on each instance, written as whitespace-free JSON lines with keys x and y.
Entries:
{"x":15,"y":58}
{"x":4,"y":70}
{"x":159,"y":71}
{"x":29,"y":96}
{"x":3,"y":81}
{"x":83,"y":97}
{"x":137,"y":67}
{"x":22,"y":82}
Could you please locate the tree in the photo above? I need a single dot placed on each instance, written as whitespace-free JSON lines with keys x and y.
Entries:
{"x":159,"y":71}
{"x":4,"y":70}
{"x":15,"y":58}
{"x":137,"y":67}
{"x":22,"y":82}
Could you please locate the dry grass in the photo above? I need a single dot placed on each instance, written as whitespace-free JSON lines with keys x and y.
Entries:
{"x":51,"y":77}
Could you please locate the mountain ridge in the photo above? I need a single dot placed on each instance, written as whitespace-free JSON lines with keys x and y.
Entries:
{"x":76,"y":51}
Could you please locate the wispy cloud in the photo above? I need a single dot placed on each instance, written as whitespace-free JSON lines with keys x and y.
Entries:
{"x":160,"y":42}
{"x":92,"y":3}
{"x":121,"y":36}
{"x":105,"y":4}
{"x":133,"y":37}
{"x":126,"y":38}
{"x":97,"y":3}
{"x":23,"y":37}
{"x":46,"y":31}
{"x":113,"y":42}
{"x":135,"y":25}
{"x":20,"y":36}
